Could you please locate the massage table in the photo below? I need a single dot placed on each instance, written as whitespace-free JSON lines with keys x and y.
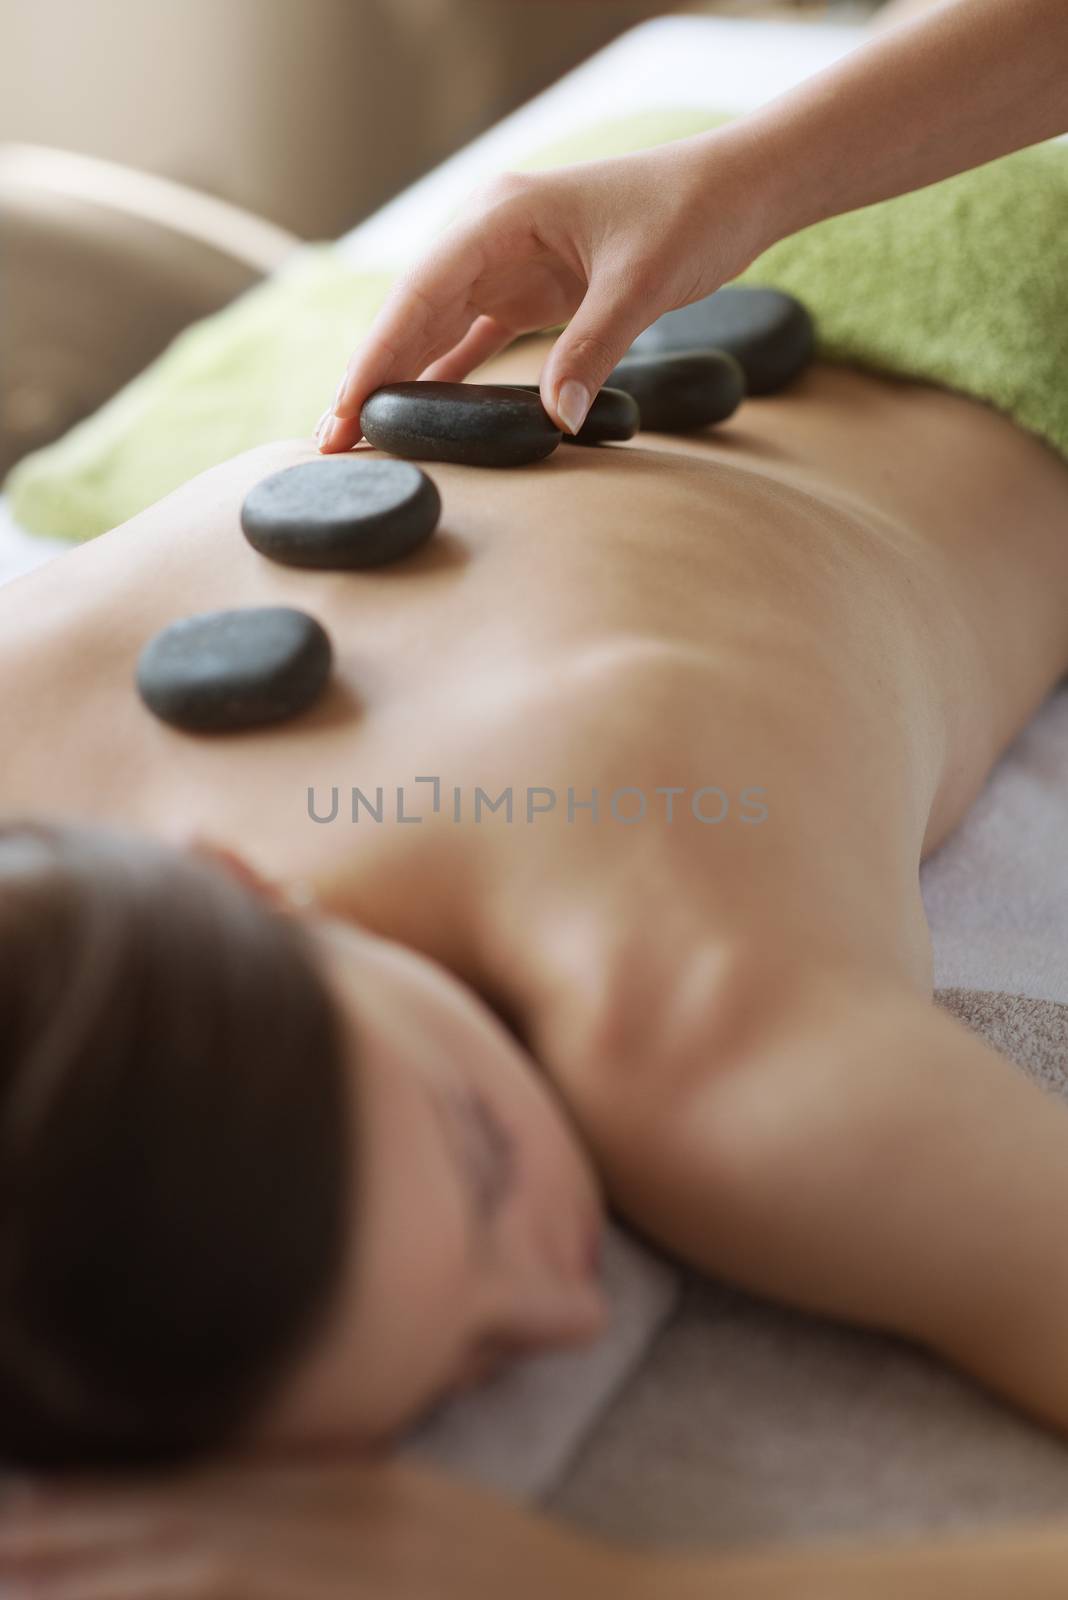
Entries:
{"x":706,"y":1417}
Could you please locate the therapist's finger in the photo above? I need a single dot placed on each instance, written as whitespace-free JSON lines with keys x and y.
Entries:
{"x":381,"y":361}
{"x":604,"y":327}
{"x":335,"y":436}
{"x":462,"y":343}
{"x":425,"y":316}
{"x":381,"y":364}
{"x":485,"y":338}
{"x":339,"y":433}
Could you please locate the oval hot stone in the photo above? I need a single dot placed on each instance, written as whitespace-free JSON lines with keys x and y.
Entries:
{"x":677,"y":393}
{"x":472,"y":424}
{"x":770,"y":332}
{"x":341,"y":512}
{"x":226,"y":670}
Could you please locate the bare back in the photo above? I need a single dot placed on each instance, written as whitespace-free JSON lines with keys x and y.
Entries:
{"x":848,"y":599}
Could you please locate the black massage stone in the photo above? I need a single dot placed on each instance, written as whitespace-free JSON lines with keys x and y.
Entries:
{"x":613,"y":417}
{"x":473,"y":424}
{"x":346,"y":512}
{"x":677,"y":393}
{"x":226,"y":670}
{"x":769,"y":332}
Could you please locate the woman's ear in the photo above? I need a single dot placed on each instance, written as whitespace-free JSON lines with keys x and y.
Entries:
{"x":296,"y":896}
{"x":236,"y":865}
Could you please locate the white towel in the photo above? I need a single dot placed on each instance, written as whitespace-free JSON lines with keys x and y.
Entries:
{"x":516,"y":1434}
{"x":997,"y":892}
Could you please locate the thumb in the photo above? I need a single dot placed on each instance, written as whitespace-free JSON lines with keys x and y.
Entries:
{"x":596,"y":339}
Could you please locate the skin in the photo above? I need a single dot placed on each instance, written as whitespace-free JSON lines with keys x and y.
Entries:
{"x":347,"y":1531}
{"x":816,"y":601}
{"x":428,"y":1253}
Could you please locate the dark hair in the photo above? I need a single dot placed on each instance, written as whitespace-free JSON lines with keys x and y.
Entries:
{"x":174,"y":1149}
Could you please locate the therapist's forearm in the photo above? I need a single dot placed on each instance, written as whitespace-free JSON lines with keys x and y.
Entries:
{"x":953,"y":89}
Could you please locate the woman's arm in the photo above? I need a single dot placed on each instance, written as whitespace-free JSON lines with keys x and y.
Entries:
{"x":395,"y":1532}
{"x":611,"y":245}
{"x":863,"y":1155}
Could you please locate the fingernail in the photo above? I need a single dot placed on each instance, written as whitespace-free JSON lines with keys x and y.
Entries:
{"x":319,"y":427}
{"x":573,"y":403}
{"x":327,"y":434}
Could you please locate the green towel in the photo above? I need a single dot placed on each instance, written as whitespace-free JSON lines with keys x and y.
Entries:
{"x":959,"y":285}
{"x":261,"y":369}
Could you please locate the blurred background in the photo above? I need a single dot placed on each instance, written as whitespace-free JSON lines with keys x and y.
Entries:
{"x":157,"y":157}
{"x":307,"y":112}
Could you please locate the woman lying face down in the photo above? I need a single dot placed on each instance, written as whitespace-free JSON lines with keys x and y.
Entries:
{"x":268,"y":1180}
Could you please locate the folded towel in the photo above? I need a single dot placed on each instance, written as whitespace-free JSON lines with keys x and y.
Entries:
{"x":996,"y":894}
{"x":959,"y":285}
{"x":518,"y":1433}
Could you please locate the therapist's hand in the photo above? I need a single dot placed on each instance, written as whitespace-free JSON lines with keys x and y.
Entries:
{"x":605,"y":246}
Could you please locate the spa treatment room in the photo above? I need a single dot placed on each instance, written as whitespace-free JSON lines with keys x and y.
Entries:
{"x":534,"y":821}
